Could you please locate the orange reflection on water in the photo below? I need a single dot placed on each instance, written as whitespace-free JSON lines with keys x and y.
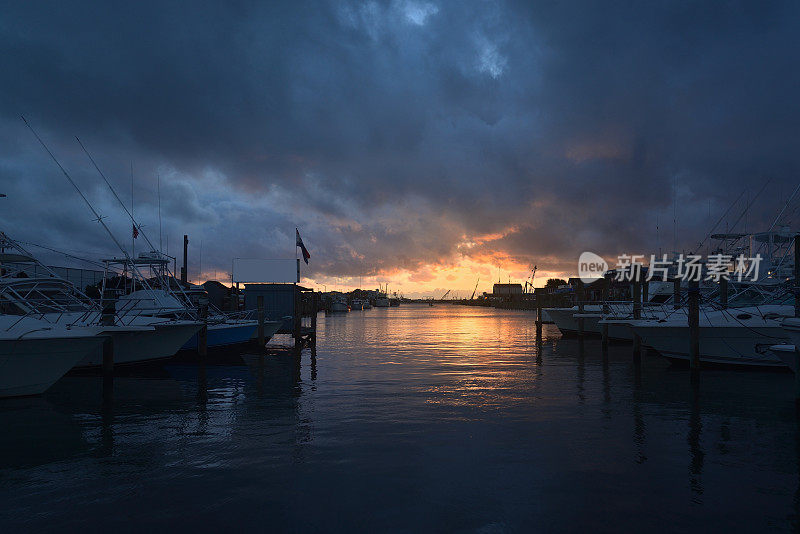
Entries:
{"x":457,"y":356}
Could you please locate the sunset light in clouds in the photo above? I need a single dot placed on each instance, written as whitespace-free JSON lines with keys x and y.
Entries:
{"x":419,"y":144}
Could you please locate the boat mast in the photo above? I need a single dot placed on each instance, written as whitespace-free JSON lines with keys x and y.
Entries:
{"x":113,"y":191}
{"x":158,"y":189}
{"x":98,"y":217}
{"x":133,"y":233}
{"x":786,"y":205}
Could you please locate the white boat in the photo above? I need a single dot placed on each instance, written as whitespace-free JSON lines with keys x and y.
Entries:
{"x":567,"y":323}
{"x":382,"y":301}
{"x":222,"y":330}
{"x":357,"y":305}
{"x":151,"y":341}
{"x":233,"y":333}
{"x":137,"y":337}
{"x":339,"y":305}
{"x":736,"y":336}
{"x":787,"y":354}
{"x":792,"y":327}
{"x":34,"y":354}
{"x":566,"y":319}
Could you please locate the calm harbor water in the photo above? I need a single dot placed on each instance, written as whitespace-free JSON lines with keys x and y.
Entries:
{"x":409,"y":419}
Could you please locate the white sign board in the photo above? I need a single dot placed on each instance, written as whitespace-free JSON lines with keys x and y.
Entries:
{"x":255,"y":271}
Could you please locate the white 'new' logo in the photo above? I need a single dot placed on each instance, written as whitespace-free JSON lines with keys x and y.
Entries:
{"x":591,"y":267}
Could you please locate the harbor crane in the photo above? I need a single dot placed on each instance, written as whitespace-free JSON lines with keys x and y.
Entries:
{"x":443,"y":296}
{"x":529,"y":283}
{"x":476,"y":288}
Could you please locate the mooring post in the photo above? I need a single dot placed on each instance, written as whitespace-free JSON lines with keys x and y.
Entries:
{"x":637,"y":315}
{"x":797,"y":313}
{"x":108,"y":356}
{"x":723,"y":293}
{"x":694,"y":328}
{"x":579,"y":296}
{"x":606,"y":313}
{"x":261,"y":341}
{"x":676,"y":293}
{"x":107,"y":319}
{"x":108,"y":370}
{"x":202,"y":335}
{"x":538,"y":317}
{"x":298,"y":320}
{"x":314,"y":312}
{"x":185,"y":268}
{"x":645,"y":291}
{"x":109,"y":313}
{"x":796,"y":277}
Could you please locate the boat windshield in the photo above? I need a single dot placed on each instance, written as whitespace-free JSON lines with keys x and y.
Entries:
{"x":755,"y":296}
{"x":750,"y":296}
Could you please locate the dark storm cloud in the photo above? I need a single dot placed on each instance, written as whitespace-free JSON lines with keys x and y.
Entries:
{"x":391,"y":132}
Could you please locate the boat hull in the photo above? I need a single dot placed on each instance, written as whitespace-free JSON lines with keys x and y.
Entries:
{"x":339,"y":307}
{"x":31,"y":366}
{"x":144,"y":346}
{"x":718,"y":344}
{"x":226,"y":334}
{"x":567,"y":323}
{"x":787,"y":354}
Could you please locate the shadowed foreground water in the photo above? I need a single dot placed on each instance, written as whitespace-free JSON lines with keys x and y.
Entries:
{"x":410,"y":419}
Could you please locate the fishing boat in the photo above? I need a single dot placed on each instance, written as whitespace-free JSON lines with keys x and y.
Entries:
{"x":34,"y":353}
{"x":735,"y":336}
{"x":594,"y":315}
{"x":787,"y":354}
{"x":222,"y":330}
{"x":57,"y":302}
{"x":338,"y":305}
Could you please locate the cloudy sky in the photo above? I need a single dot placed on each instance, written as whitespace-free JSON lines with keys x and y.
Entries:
{"x":423,"y":144}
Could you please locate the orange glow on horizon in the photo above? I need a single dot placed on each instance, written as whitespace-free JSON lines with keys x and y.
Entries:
{"x":434,"y":280}
{"x":472,"y":261}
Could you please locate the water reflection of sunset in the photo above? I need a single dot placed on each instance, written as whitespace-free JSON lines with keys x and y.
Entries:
{"x":452,"y":355}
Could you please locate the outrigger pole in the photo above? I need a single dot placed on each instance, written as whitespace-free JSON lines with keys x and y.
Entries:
{"x":141,"y":231}
{"x":98,"y":217}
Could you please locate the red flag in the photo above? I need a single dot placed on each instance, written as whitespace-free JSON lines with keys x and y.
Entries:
{"x":303,"y":249}
{"x":135,"y":232}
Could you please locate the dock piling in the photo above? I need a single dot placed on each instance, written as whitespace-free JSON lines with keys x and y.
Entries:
{"x":694,"y":328}
{"x":796,"y":277}
{"x":676,"y":293}
{"x":606,"y":312}
{"x":202,"y":335}
{"x":796,"y":290}
{"x":637,"y":315}
{"x":261,"y":338}
{"x":185,"y":268}
{"x":538,"y":318}
{"x":579,"y":297}
{"x":723,"y":293}
{"x":108,"y":370}
{"x":108,"y":356}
